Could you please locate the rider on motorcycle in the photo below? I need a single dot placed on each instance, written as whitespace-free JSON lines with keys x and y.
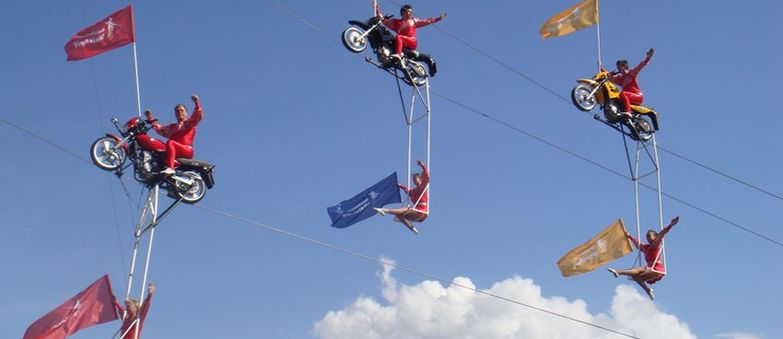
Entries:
{"x":406,"y":30}
{"x":180,"y":134}
{"x":626,"y":79}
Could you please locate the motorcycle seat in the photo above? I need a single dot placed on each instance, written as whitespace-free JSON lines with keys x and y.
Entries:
{"x":195,"y":163}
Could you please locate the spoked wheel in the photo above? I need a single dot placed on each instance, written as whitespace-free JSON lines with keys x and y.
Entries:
{"x":193,"y":192}
{"x":581,"y":97}
{"x":106,"y":155}
{"x":641,"y":129}
{"x":353,"y":39}
{"x":415,"y":73}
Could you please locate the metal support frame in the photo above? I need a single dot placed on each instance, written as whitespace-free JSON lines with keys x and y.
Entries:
{"x":654,"y":168}
{"x":409,"y":113}
{"x":148,"y":220}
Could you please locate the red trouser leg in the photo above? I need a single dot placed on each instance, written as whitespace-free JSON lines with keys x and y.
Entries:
{"x":631,"y":98}
{"x":175,"y":150}
{"x":404,"y":41}
{"x":150,"y":143}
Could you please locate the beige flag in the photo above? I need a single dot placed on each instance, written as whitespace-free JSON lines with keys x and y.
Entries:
{"x":581,"y":15}
{"x":607,"y":246}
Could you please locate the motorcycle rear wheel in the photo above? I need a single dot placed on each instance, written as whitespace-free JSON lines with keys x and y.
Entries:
{"x":190,"y":194}
{"x":106,"y":155}
{"x":581,"y":98}
{"x":415,"y":73}
{"x":641,"y":129}
{"x":353,"y":40}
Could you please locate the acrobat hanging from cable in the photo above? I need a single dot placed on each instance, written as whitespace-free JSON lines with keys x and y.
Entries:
{"x":419,"y":195}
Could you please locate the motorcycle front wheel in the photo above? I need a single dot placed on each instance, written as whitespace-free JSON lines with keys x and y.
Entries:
{"x":106,"y":155}
{"x":193,"y":193}
{"x":582,"y":99}
{"x":353,"y":39}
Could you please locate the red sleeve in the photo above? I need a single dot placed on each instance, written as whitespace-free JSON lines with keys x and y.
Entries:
{"x":425,"y":22}
{"x":403,"y":188}
{"x":635,"y":242}
{"x":641,"y":65}
{"x":425,"y":175}
{"x":195,"y":118}
{"x":145,"y":308}
{"x":663,"y":232}
{"x":119,"y":308}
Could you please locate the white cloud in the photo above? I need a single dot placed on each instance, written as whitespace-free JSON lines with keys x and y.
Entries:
{"x":738,"y":335}
{"x":431,"y":310}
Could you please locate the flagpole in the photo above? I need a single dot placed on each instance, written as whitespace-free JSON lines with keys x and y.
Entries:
{"x":136,"y":72}
{"x":598,"y":33}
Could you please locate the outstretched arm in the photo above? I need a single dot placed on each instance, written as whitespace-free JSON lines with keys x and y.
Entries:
{"x":425,"y":22}
{"x":403,"y":188}
{"x":146,"y":306}
{"x":633,"y":240}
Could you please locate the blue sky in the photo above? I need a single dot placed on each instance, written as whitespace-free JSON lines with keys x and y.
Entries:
{"x":296,"y":123}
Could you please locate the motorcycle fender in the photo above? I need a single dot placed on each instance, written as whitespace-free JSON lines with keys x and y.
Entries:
{"x":124,"y":146}
{"x":362,"y":25}
{"x":590,"y":82}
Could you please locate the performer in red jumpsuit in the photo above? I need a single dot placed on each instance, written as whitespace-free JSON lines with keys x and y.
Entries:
{"x":627,"y":80}
{"x":654,"y":271}
{"x":180,"y":134}
{"x":419,"y":195}
{"x":131,"y":329}
{"x":405,"y":27}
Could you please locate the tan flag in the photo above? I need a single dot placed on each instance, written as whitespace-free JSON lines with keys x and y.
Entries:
{"x":607,"y":246}
{"x":581,"y":15}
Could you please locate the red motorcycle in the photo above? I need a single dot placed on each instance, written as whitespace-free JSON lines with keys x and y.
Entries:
{"x":190,"y":181}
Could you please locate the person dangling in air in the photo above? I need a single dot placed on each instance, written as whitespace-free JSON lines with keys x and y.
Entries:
{"x":180,"y":134}
{"x":626,"y":78}
{"x":654,"y":271}
{"x":419,"y":195}
{"x":406,"y":33}
{"x":131,"y":329}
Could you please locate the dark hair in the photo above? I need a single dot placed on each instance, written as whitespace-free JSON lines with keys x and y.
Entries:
{"x":623,"y":62}
{"x":178,"y":105}
{"x":405,"y":8}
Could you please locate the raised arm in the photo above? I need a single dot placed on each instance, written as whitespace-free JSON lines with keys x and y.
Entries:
{"x":644,"y":62}
{"x":155,"y":125}
{"x":197,"y":115}
{"x":425,"y":173}
{"x":665,"y":230}
{"x":145,"y":307}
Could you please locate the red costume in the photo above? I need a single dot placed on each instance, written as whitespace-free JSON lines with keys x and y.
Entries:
{"x":406,"y":30}
{"x":419,"y":195}
{"x":131,"y":329}
{"x":652,"y":253}
{"x":180,"y":134}
{"x":631,"y":93}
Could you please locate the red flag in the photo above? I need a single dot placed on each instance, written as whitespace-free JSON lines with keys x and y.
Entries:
{"x":114,"y":31}
{"x":92,"y":306}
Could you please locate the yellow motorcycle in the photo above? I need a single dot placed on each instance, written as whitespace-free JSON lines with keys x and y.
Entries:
{"x":599,"y":90}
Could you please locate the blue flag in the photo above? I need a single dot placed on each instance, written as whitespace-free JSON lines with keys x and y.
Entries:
{"x":361,"y":206}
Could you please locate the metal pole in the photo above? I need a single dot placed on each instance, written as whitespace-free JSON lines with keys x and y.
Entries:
{"x":136,"y":72}
{"x":429,"y":120}
{"x":598,"y":32}
{"x":149,"y":244}
{"x":636,"y":198}
{"x":660,"y":201}
{"x":137,"y":237}
{"x":410,"y":135}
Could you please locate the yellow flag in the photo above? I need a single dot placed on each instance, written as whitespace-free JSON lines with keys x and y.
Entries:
{"x":608,"y":245}
{"x":582,"y":15}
